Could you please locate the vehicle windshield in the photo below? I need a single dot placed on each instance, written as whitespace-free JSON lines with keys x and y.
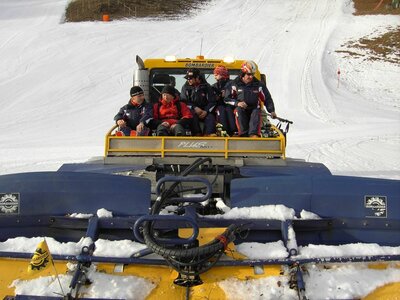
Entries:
{"x":176,"y":77}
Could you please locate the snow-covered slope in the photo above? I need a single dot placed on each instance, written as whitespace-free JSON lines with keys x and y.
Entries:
{"x":62,"y":83}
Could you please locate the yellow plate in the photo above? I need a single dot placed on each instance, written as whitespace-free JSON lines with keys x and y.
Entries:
{"x":162,"y":276}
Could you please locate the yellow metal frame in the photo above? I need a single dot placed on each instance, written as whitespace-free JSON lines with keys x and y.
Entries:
{"x":163,"y":151}
{"x":199,"y":62}
{"x":161,"y":276}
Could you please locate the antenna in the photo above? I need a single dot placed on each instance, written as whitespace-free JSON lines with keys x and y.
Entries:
{"x":201,"y":45}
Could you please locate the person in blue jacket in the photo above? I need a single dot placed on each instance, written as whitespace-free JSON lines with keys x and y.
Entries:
{"x":200,"y":98}
{"x":224,"y":111}
{"x":134,"y":117}
{"x":246,"y":93}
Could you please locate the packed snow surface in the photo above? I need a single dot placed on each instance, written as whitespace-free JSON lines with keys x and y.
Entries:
{"x":62,"y":83}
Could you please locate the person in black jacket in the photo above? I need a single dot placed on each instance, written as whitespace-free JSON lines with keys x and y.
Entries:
{"x":247,"y":94}
{"x":199,"y":97}
{"x":136,"y":115}
{"x":224,"y":111}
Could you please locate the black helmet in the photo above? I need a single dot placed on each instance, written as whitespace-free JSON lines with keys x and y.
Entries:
{"x":168,"y":90}
{"x":136,"y":90}
{"x":192,"y":73}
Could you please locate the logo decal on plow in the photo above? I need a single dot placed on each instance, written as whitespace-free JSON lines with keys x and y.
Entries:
{"x":195,"y":145}
{"x":40,"y":259}
{"x":9,"y":203}
{"x":376,"y":206}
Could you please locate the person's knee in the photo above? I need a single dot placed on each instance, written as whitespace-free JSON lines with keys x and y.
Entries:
{"x":240,"y":109}
{"x":179,"y":130}
{"x":126,"y":130}
{"x":162,"y":130}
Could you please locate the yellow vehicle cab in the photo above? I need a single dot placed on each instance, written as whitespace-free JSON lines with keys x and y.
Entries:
{"x":152,"y":75}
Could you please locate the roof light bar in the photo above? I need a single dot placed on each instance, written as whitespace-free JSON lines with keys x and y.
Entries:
{"x":170,"y":58}
{"x":229,"y":59}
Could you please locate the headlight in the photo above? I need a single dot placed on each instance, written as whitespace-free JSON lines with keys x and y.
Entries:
{"x":228,"y":59}
{"x":170,"y":58}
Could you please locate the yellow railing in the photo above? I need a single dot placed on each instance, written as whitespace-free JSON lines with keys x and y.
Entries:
{"x":163,"y":146}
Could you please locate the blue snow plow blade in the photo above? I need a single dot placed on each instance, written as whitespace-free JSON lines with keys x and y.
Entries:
{"x":352,"y":209}
{"x":39,"y":204}
{"x":61,"y":193}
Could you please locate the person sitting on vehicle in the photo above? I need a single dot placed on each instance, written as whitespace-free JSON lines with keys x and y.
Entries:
{"x":224,"y":112}
{"x":199,"y":97}
{"x":173,"y":84}
{"x":246,"y":93}
{"x":170,"y":116}
{"x":134,"y":117}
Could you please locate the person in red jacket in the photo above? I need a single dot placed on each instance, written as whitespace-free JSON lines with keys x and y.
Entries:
{"x":170,"y":116}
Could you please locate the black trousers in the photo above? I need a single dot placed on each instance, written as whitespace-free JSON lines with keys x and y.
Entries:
{"x":178,"y":130}
{"x":248,"y":121}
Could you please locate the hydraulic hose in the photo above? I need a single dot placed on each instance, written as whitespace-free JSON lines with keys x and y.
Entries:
{"x":159,"y":202}
{"x":216,"y":245}
{"x":192,"y":260}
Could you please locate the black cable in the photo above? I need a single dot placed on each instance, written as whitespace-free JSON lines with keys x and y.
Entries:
{"x":187,"y":292}
{"x":158,"y":204}
{"x":199,"y":271}
{"x":194,"y":262}
{"x":199,"y":256}
{"x":212,"y":247}
{"x":216,"y":175}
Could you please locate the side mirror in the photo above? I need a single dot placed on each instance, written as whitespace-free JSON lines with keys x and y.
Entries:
{"x":263,"y":78}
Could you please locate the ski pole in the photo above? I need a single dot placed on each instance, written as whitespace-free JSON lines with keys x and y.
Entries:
{"x":280,"y":119}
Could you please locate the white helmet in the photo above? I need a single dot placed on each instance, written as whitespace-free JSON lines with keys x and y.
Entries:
{"x":248,"y":66}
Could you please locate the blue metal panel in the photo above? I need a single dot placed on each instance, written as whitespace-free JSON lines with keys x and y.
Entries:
{"x":345,"y":196}
{"x":60,"y":193}
{"x":291,"y":191}
{"x":374,"y":204}
{"x":289,"y":167}
{"x":327,"y":196}
{"x":244,"y":262}
{"x":99,"y":167}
